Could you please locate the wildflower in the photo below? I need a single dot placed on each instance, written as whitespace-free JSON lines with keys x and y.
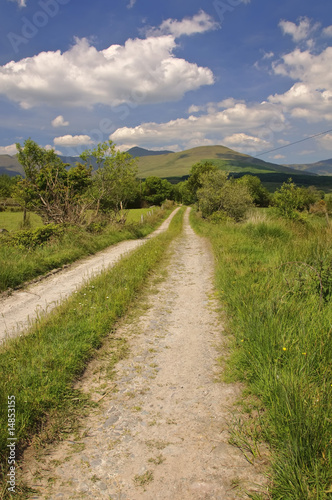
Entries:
{"x":284,"y":348}
{"x":304,"y":353}
{"x":242,"y":340}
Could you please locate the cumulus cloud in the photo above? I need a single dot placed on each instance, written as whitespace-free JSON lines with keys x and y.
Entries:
{"x":73,"y":141}
{"x":327,"y":31}
{"x":278,"y":157}
{"x":243,"y":142}
{"x":59,"y":121}
{"x":213,"y":127}
{"x":300,"y":31}
{"x":141,"y":71}
{"x":199,"y":23}
{"x":8,"y":150}
{"x":311,"y":97}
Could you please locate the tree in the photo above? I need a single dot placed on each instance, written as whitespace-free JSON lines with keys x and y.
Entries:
{"x":260,"y":195}
{"x":221,"y":194}
{"x":290,"y":199}
{"x":196,"y":175}
{"x":48,"y":188}
{"x":114,"y":183}
{"x":156,"y":190}
{"x":7,"y":185}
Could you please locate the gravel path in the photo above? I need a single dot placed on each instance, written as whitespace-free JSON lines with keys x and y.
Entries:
{"x":23,"y":306}
{"x":163,"y":434}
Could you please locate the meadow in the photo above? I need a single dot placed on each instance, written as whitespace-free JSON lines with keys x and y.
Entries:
{"x":33,"y":252}
{"x":274,"y":281}
{"x":40,"y":368}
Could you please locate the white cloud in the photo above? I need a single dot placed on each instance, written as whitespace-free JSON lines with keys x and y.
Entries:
{"x":268,"y":55}
{"x":278,"y":157}
{"x":59,"y":121}
{"x":244,"y":142}
{"x":209,"y":128}
{"x":327,"y":31}
{"x":311,"y":97}
{"x":72,"y":141}
{"x":325,"y":141}
{"x":141,"y":71}
{"x":300,"y":31}
{"x":131,"y":4}
{"x":8,"y":150}
{"x":199,"y":23}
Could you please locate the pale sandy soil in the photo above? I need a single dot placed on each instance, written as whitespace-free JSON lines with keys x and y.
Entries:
{"x":162,"y":429}
{"x":18,"y":310}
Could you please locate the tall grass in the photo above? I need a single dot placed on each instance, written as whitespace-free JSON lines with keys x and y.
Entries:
{"x":21,"y":264}
{"x":39,"y":368}
{"x":275,"y":282}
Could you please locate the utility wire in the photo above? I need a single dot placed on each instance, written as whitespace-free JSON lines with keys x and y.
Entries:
{"x":296,"y":142}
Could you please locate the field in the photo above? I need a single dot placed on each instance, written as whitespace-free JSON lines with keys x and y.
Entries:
{"x":274,"y":281}
{"x":29,"y":256}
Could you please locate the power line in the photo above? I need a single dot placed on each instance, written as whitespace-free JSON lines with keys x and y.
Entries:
{"x":296,"y":142}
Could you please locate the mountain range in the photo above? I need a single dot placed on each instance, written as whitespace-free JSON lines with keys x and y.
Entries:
{"x":177,"y":165}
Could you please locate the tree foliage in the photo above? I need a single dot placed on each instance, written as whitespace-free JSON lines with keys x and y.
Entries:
{"x":114,"y":183}
{"x":221,"y":194}
{"x":49,"y":188}
{"x":291,"y":199}
{"x":260,"y":195}
{"x":196,"y":175}
{"x":7,"y":185}
{"x":156,"y":190}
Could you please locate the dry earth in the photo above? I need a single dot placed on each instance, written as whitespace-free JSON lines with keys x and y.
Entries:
{"x":18,"y":310}
{"x":161,"y":431}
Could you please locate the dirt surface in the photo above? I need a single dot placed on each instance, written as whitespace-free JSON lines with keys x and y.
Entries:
{"x":161,"y":430}
{"x":19,"y":309}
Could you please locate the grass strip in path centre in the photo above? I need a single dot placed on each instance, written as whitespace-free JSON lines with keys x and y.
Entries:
{"x":37,"y":370}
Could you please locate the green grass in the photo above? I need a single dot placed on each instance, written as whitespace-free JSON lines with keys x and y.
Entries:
{"x":274,"y":280}
{"x":20,"y":264}
{"x":39,"y":369}
{"x":12,"y":221}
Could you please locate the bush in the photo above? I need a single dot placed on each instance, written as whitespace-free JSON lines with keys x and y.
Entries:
{"x":34,"y":238}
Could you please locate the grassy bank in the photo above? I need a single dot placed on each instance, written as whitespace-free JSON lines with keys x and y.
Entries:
{"x":20,"y":264}
{"x":39,"y":368}
{"x":274,"y":279}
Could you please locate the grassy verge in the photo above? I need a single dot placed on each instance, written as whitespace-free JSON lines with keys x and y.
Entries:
{"x":21,"y":264}
{"x":275,"y":282}
{"x":39,"y":369}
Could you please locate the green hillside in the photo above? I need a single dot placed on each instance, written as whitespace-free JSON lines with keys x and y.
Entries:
{"x":10,"y":165}
{"x":179,"y":164}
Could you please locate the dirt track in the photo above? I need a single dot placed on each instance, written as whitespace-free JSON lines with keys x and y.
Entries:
{"x":19,"y":309}
{"x":163,"y":434}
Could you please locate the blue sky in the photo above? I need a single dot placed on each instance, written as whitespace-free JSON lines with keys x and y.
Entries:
{"x":253,"y":75}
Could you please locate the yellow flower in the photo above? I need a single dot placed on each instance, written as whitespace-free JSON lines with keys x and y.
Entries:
{"x":284,"y":349}
{"x":304,"y":353}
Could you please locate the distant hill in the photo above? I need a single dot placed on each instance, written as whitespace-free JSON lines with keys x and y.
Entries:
{"x":176,"y":166}
{"x":137,"y":152}
{"x":9,"y":165}
{"x":179,"y":164}
{"x":323,"y":167}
